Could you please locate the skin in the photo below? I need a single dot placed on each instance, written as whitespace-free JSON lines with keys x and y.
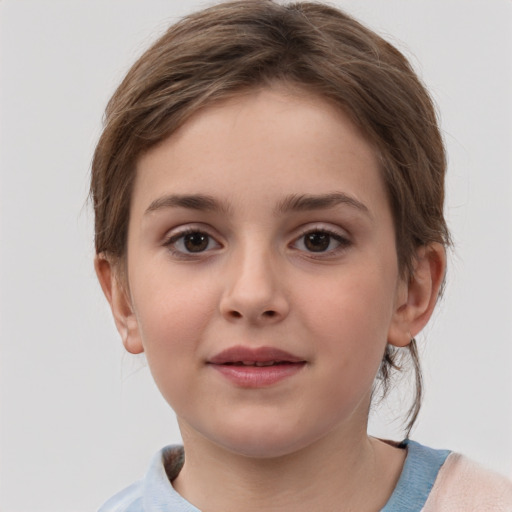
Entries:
{"x":300,"y":444}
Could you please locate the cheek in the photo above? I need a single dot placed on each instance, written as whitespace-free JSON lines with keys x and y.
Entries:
{"x":350,"y":317}
{"x":355,"y":300}
{"x":172,"y":316}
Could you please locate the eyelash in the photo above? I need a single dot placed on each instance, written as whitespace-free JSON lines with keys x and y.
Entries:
{"x":172,"y":241}
{"x":342,"y":241}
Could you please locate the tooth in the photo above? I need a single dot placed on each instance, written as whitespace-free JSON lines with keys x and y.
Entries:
{"x":248,"y":363}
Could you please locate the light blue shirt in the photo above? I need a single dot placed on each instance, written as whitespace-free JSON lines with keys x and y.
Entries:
{"x":155,"y":492}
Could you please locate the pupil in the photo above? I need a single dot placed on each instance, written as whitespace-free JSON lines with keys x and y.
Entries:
{"x":196,"y":242}
{"x":317,"y":242}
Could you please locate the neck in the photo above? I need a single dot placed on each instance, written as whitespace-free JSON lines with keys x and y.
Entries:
{"x":354,"y":473}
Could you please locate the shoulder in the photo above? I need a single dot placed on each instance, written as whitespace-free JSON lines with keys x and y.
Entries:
{"x":462,"y":484}
{"x":128,"y":500}
{"x":442,"y":481}
{"x":155,"y":491}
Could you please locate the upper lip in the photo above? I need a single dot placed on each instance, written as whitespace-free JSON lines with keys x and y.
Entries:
{"x":244,"y":354}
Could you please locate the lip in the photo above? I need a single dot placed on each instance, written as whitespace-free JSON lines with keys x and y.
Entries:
{"x":256,"y":367}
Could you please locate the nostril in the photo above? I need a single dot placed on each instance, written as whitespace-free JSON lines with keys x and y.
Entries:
{"x":236,"y":314}
{"x":269,"y":314}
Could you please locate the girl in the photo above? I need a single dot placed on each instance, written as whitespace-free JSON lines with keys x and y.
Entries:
{"x":268,"y":195}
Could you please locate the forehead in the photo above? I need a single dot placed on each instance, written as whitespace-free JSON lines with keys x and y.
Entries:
{"x":273,"y":140}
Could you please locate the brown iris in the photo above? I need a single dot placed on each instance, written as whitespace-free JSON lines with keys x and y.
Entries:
{"x":317,"y":242}
{"x":196,"y":242}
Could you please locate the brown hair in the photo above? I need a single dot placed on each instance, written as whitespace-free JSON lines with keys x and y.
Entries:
{"x":234,"y":46}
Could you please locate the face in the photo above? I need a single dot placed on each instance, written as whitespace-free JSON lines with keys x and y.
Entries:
{"x":262,"y":272}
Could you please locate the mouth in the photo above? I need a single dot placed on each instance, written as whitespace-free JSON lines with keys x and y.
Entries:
{"x":258,"y":364}
{"x":256,"y":367}
{"x":258,"y":356}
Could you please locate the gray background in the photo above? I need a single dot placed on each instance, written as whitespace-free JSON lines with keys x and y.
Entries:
{"x":79,"y":418}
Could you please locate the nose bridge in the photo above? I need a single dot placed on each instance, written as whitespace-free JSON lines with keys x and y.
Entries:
{"x":254,"y":289}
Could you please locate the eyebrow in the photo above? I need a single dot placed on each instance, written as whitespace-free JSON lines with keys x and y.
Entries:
{"x":191,"y":201}
{"x":292,"y":203}
{"x":306,"y":202}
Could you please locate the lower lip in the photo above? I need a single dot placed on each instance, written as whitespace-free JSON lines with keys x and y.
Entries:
{"x":258,"y":376}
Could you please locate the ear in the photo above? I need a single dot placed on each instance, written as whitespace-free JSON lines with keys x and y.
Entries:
{"x":417,"y":297}
{"x":116,"y":291}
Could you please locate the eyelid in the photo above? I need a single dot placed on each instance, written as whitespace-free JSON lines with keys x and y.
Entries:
{"x":190,"y":227}
{"x":324,"y":227}
{"x":340,"y":235}
{"x":174,"y":235}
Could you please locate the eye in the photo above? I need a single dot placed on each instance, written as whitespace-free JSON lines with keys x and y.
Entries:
{"x":191,"y":242}
{"x":320,"y":241}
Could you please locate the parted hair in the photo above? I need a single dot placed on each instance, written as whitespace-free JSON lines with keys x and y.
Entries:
{"x":231,"y":47}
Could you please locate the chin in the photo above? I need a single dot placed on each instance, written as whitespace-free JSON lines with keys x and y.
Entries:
{"x":260,"y":433}
{"x":264,"y":441}
{"x":263,"y":448}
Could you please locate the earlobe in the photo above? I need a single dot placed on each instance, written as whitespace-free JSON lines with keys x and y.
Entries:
{"x":417,"y":298}
{"x":118,"y":297}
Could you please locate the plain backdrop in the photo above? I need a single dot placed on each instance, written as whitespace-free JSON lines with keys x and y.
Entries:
{"x":79,"y":418}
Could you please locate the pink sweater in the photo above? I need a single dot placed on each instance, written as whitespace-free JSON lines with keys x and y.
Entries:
{"x":462,"y":485}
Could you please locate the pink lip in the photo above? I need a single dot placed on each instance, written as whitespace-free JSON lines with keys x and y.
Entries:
{"x":230,"y":363}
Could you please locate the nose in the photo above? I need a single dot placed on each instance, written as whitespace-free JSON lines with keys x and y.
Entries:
{"x":254,"y":291}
